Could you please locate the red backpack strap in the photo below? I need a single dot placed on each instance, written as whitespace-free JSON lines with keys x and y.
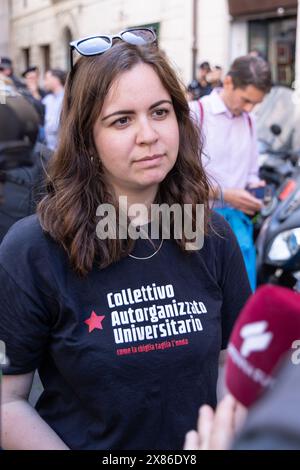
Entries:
{"x":201,"y":112}
{"x":250,"y":124}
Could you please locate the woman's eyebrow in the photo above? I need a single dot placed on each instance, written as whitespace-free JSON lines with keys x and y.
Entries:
{"x":128,"y":111}
{"x":122,"y":111}
{"x":159,"y":103}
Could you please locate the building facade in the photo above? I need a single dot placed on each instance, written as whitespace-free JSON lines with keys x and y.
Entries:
{"x":189,"y":31}
{"x":269,"y":27}
{"x":5,"y":15}
{"x":42,"y":29}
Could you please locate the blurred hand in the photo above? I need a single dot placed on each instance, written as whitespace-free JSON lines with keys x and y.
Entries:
{"x":258,"y":184}
{"x":242,"y":200}
{"x":217,"y":429}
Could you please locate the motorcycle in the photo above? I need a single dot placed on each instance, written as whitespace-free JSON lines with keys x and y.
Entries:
{"x":278,"y":227}
{"x":278,"y":242}
{"x":275,"y":166}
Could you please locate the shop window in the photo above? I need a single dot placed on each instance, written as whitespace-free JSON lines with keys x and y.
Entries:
{"x":26,"y":57}
{"x":258,"y":37}
{"x":45,"y":50}
{"x":275,"y":40}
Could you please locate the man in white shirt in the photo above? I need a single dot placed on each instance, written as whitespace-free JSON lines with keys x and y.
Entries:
{"x":230,"y":154}
{"x":54,"y":83}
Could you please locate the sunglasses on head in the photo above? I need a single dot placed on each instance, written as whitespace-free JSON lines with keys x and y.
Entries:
{"x":96,"y":45}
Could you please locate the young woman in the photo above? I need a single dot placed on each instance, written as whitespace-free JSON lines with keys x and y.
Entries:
{"x":126,"y":334}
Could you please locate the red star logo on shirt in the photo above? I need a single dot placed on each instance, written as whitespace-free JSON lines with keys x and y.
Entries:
{"x":95,"y":322}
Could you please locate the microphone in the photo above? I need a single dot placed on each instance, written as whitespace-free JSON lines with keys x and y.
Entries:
{"x":264,"y":332}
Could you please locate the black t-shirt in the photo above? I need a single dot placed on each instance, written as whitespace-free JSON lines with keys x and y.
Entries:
{"x":129,"y":353}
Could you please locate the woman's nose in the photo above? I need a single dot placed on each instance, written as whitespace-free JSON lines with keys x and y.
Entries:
{"x":146,"y":133}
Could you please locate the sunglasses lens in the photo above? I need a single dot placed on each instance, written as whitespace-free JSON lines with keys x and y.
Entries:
{"x":138,"y":37}
{"x":93,"y":45}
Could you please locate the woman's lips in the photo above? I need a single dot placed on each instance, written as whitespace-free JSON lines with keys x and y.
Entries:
{"x":152,"y":158}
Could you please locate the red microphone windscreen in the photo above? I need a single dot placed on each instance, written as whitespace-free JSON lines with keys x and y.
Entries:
{"x":264,"y":332}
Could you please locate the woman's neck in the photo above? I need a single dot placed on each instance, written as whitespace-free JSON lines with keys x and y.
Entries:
{"x":129,"y":201}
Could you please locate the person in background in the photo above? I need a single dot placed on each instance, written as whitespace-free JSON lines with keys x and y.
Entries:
{"x":230,"y":147}
{"x":32,"y":81}
{"x":20,"y":168}
{"x":214,"y":77}
{"x":273,"y":423}
{"x":31,"y":78}
{"x":200,"y":86}
{"x":6,"y":67}
{"x":54,"y":84}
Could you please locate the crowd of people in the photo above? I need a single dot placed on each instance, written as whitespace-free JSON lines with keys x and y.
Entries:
{"x":207,"y":79}
{"x":46,"y":100}
{"x":127,"y":331}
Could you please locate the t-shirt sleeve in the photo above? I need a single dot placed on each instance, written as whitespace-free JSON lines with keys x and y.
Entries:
{"x":233,"y":279}
{"x":28,"y":296}
{"x":24,"y":327}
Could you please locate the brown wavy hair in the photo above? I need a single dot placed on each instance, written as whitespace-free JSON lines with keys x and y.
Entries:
{"x":76,"y":184}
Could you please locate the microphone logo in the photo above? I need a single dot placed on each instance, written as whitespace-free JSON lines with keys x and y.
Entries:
{"x":256,"y":337}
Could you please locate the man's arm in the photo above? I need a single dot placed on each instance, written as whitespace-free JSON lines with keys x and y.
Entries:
{"x":240,"y":199}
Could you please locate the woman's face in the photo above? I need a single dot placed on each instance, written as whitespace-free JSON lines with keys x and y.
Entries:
{"x":136,"y":134}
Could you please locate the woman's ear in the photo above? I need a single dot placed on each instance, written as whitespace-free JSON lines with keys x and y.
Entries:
{"x":92,"y":151}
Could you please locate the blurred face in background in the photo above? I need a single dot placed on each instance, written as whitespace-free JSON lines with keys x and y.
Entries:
{"x":7,"y":71}
{"x":239,"y":100}
{"x":202,"y":73}
{"x":32,"y":79}
{"x":215,"y":76}
{"x":51,"y":82}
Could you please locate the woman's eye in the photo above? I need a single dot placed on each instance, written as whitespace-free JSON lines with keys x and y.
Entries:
{"x":121,"y":122}
{"x":161,"y":112}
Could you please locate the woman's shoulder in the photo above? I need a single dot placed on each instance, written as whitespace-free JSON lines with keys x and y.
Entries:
{"x":220,"y":234}
{"x":218,"y":226}
{"x":29,"y":257}
{"x":25,"y":241}
{"x":26,"y":231}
